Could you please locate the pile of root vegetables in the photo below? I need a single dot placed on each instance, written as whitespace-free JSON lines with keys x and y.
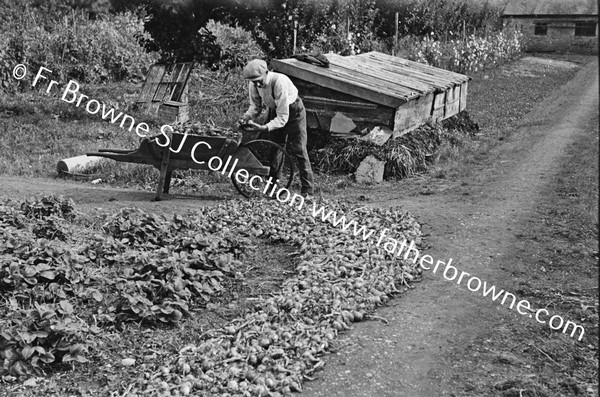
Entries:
{"x":66,"y":288}
{"x":271,"y":350}
{"x":199,"y":128}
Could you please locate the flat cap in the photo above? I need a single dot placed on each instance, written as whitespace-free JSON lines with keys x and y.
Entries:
{"x":255,"y":69}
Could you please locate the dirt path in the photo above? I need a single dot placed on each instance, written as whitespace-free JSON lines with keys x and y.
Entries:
{"x":436,"y":331}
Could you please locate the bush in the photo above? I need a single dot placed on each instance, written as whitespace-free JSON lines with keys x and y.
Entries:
{"x":437,"y":17}
{"x":71,"y":45}
{"x":463,"y":56}
{"x":238,"y":46}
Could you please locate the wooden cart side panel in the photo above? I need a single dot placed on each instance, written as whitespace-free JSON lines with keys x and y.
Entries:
{"x":413,"y":114}
{"x":203,"y":147}
{"x":463,"y":95}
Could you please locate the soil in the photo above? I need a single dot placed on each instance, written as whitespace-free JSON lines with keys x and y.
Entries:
{"x":440,"y":339}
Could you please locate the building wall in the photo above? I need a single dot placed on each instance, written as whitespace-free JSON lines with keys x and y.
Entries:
{"x":560,"y":34}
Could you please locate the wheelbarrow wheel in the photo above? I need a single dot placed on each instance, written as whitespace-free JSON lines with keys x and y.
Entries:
{"x":271,"y":155}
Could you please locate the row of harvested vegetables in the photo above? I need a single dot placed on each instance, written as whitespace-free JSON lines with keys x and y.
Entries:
{"x":270,"y":352}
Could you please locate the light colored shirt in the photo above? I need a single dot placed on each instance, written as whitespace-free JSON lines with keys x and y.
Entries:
{"x":278,"y":93}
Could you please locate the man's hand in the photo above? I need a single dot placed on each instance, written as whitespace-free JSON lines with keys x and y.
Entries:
{"x":252,"y":126}
{"x":243,"y":121}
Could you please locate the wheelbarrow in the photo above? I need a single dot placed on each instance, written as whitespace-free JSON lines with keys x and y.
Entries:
{"x":255,"y":167}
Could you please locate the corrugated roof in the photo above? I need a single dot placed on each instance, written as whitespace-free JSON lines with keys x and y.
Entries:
{"x":374,"y":76}
{"x":551,"y":7}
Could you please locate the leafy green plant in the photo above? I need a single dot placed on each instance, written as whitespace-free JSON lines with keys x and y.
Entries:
{"x":238,"y":46}
{"x":40,"y":208}
{"x":33,"y":335}
{"x":170,"y":264}
{"x":71,"y":45}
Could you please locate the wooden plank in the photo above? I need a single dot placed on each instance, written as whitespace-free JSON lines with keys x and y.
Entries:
{"x":423,"y":76}
{"x":309,"y":89}
{"x":150,"y":85}
{"x":369,"y":81}
{"x":366,"y":111}
{"x":177,"y":69}
{"x":336,"y":81}
{"x":334,"y":102}
{"x":439,"y":105}
{"x":180,"y":94}
{"x":320,"y":119}
{"x":408,"y":75}
{"x":381,"y":74}
{"x":413,"y":114}
{"x":164,"y":92}
{"x":452,"y":76}
{"x":463,"y":95}
{"x":442,"y":81}
{"x":402,"y":63}
{"x":435,"y":80}
{"x":452,"y":101}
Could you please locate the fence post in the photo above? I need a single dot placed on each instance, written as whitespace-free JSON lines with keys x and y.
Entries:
{"x":295,"y":35}
{"x":348,"y":28}
{"x":395,"y":36}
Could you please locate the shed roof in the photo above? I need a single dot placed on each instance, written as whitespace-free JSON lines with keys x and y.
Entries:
{"x":384,"y":79}
{"x":551,"y":7}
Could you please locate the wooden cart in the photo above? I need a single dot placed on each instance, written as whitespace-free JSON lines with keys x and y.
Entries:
{"x":259,"y":157}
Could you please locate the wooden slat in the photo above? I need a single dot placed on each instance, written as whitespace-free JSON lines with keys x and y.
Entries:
{"x":418,"y":70}
{"x":408,"y":77}
{"x":452,"y":76}
{"x":435,"y":80}
{"x":334,"y":102}
{"x":384,"y":75}
{"x":463,"y":95}
{"x":307,"y":88}
{"x":150,"y":85}
{"x":164,"y":92}
{"x":369,"y":77}
{"x":452,"y":102}
{"x":413,"y":114}
{"x":439,"y":105}
{"x":336,"y":81}
{"x":180,"y":92}
{"x":381,"y":114}
{"x":375,"y":84}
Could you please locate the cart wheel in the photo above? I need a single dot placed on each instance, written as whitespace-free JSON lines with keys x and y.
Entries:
{"x":264,"y":151}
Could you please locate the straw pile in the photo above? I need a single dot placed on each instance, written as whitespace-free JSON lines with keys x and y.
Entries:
{"x":404,"y":156}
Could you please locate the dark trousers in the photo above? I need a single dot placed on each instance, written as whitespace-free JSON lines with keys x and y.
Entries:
{"x":294,"y":132}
